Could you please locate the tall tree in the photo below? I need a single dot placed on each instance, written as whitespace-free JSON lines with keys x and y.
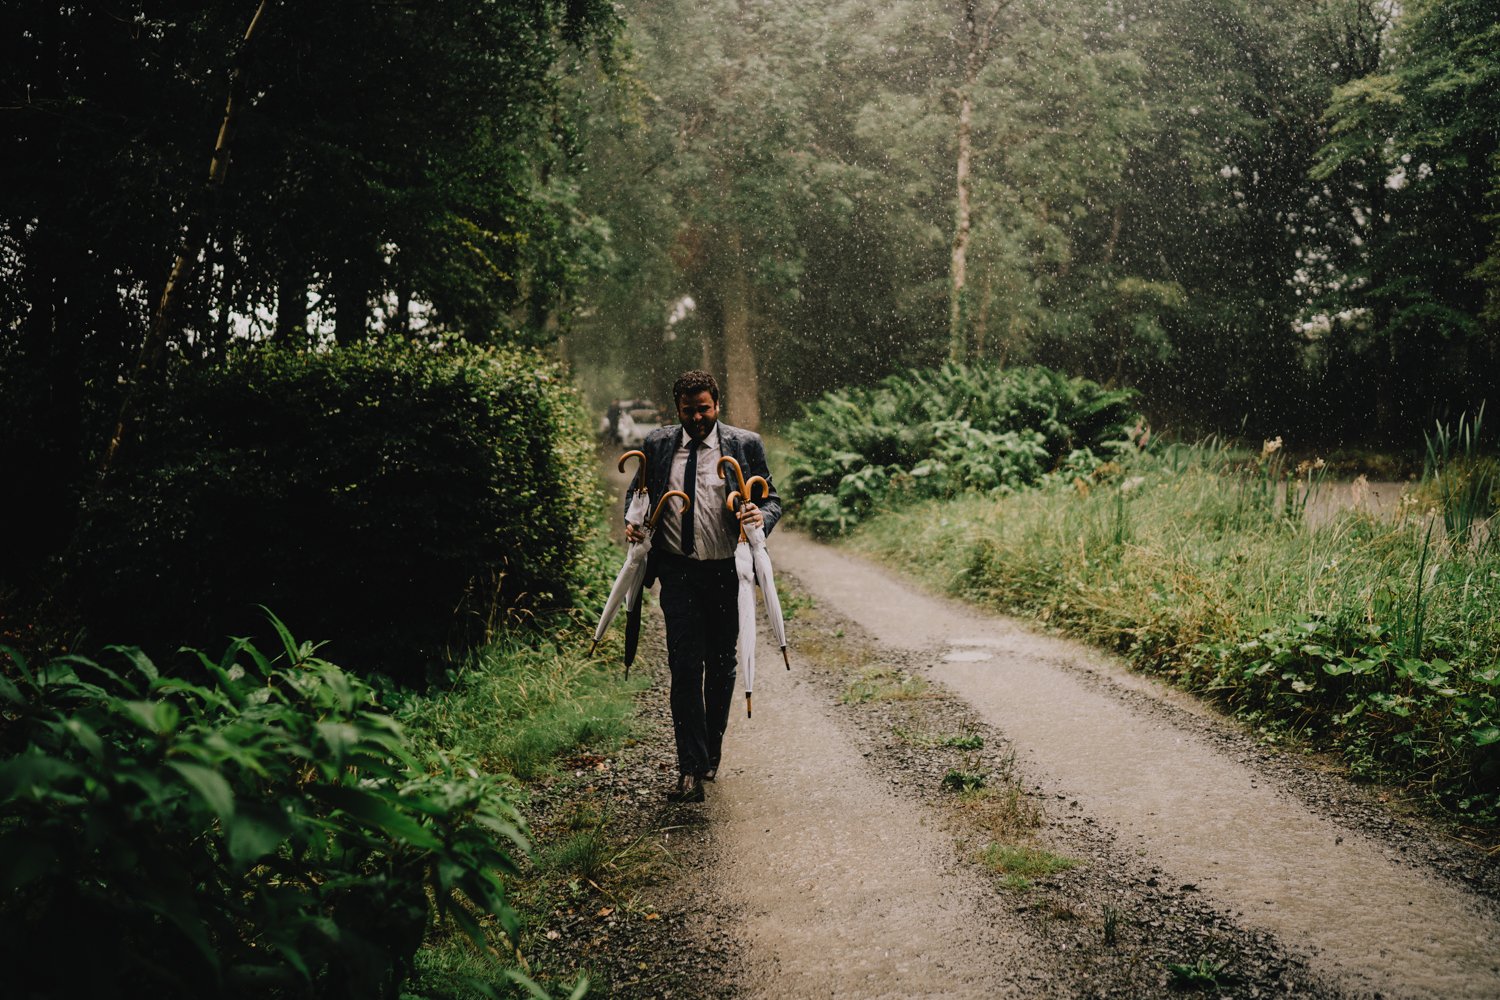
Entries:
{"x":1415,"y":139}
{"x":978,"y":34}
{"x":380,"y":149}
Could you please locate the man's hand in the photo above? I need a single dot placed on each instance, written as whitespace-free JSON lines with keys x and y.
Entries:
{"x":750,"y":515}
{"x":634,"y":534}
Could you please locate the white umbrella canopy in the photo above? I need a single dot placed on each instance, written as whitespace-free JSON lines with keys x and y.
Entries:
{"x":761,"y":560}
{"x":744,"y":567}
{"x":763,"y":575}
{"x":752,"y":564}
{"x":627,"y":586}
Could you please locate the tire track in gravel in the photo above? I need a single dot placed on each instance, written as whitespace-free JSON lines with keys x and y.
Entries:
{"x":843,"y":888}
{"x":1367,"y":920}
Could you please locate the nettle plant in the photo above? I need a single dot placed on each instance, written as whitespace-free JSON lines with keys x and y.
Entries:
{"x":262,"y":829}
{"x":949,"y":430}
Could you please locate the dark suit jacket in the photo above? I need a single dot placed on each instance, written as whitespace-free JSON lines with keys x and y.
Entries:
{"x":743,"y":446}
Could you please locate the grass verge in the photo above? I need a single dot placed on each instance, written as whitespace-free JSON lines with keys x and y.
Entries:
{"x":527,"y":706}
{"x":1375,"y":638}
{"x":1019,"y":865}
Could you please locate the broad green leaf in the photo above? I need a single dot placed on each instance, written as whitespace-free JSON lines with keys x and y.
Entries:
{"x":33,"y":774}
{"x":374,"y":810}
{"x":339,"y":737}
{"x":254,"y":835}
{"x":210,"y":784}
{"x":86,"y":737}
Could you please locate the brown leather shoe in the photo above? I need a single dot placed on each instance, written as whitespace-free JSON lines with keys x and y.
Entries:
{"x":689,"y":789}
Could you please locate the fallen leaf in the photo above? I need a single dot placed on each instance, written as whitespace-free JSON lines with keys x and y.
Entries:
{"x":606,"y":911}
{"x":653,"y":916}
{"x":553,"y":935}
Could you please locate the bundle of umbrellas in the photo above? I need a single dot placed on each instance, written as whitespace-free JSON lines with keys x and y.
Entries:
{"x":753,"y":565}
{"x":628,"y":582}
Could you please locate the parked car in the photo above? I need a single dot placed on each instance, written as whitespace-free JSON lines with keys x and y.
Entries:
{"x":627,"y":422}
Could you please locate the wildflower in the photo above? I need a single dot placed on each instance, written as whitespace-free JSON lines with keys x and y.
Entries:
{"x":1359,"y":490}
{"x":1271,"y":447}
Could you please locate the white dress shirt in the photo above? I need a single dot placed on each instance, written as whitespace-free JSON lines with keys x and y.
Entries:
{"x":711,"y":539}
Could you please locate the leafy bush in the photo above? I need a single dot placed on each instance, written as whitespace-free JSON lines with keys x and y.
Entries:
{"x":396,"y":499}
{"x":945,"y":431}
{"x":265,"y":832}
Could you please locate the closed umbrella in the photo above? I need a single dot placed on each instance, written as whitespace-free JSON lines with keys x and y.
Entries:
{"x":627,"y":585}
{"x":755,"y":536}
{"x":744,"y":567}
{"x":752,"y":563}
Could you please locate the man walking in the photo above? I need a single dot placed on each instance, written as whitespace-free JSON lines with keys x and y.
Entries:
{"x":693,"y":556}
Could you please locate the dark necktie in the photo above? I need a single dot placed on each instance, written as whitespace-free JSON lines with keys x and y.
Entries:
{"x":689,"y":486}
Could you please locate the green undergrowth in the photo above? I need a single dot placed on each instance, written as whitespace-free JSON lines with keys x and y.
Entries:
{"x":526,"y":699}
{"x":1378,"y":638}
{"x":927,"y":433}
{"x":523,"y":707}
{"x":262,"y":826}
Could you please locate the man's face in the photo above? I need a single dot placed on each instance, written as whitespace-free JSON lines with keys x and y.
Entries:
{"x":698,"y":414}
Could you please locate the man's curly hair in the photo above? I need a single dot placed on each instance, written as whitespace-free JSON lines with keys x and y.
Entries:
{"x":693,"y":382}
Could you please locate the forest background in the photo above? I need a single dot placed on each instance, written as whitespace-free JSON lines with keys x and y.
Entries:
{"x":299,"y":304}
{"x":1268,"y":218}
{"x":1279,"y":217}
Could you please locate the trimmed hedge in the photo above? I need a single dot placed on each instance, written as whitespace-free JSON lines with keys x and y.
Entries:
{"x":401,"y":500}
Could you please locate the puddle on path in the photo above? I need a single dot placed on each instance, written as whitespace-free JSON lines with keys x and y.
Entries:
{"x":967,"y":656}
{"x":1364,"y":917}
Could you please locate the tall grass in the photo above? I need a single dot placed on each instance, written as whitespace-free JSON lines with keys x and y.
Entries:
{"x":1464,"y":481}
{"x":524,"y":700}
{"x":1380,"y":639}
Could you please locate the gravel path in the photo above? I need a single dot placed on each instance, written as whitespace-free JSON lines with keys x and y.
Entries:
{"x":1368,"y":919}
{"x":833,"y":859}
{"x":846,"y":888}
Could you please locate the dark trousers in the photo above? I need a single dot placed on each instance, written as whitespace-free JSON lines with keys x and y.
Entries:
{"x":700,"y":601}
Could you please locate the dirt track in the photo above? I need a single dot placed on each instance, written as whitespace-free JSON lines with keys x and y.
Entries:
{"x":830,"y":861}
{"x":1178,"y":788}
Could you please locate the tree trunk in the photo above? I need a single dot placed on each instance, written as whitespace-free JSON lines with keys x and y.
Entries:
{"x":351,"y":302}
{"x":221,"y":325}
{"x":153,"y":346}
{"x":1116,"y":220}
{"x":291,"y":306}
{"x":743,"y":389}
{"x":958,"y":347}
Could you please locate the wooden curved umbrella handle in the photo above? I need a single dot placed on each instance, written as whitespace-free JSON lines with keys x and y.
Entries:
{"x":736,"y":498}
{"x":640,"y":469}
{"x":661,"y":505}
{"x":739,"y":474}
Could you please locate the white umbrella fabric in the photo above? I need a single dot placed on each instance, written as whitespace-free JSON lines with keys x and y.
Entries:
{"x":627,"y":586}
{"x":744,"y":567}
{"x":751,"y":563}
{"x":756,"y":537}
